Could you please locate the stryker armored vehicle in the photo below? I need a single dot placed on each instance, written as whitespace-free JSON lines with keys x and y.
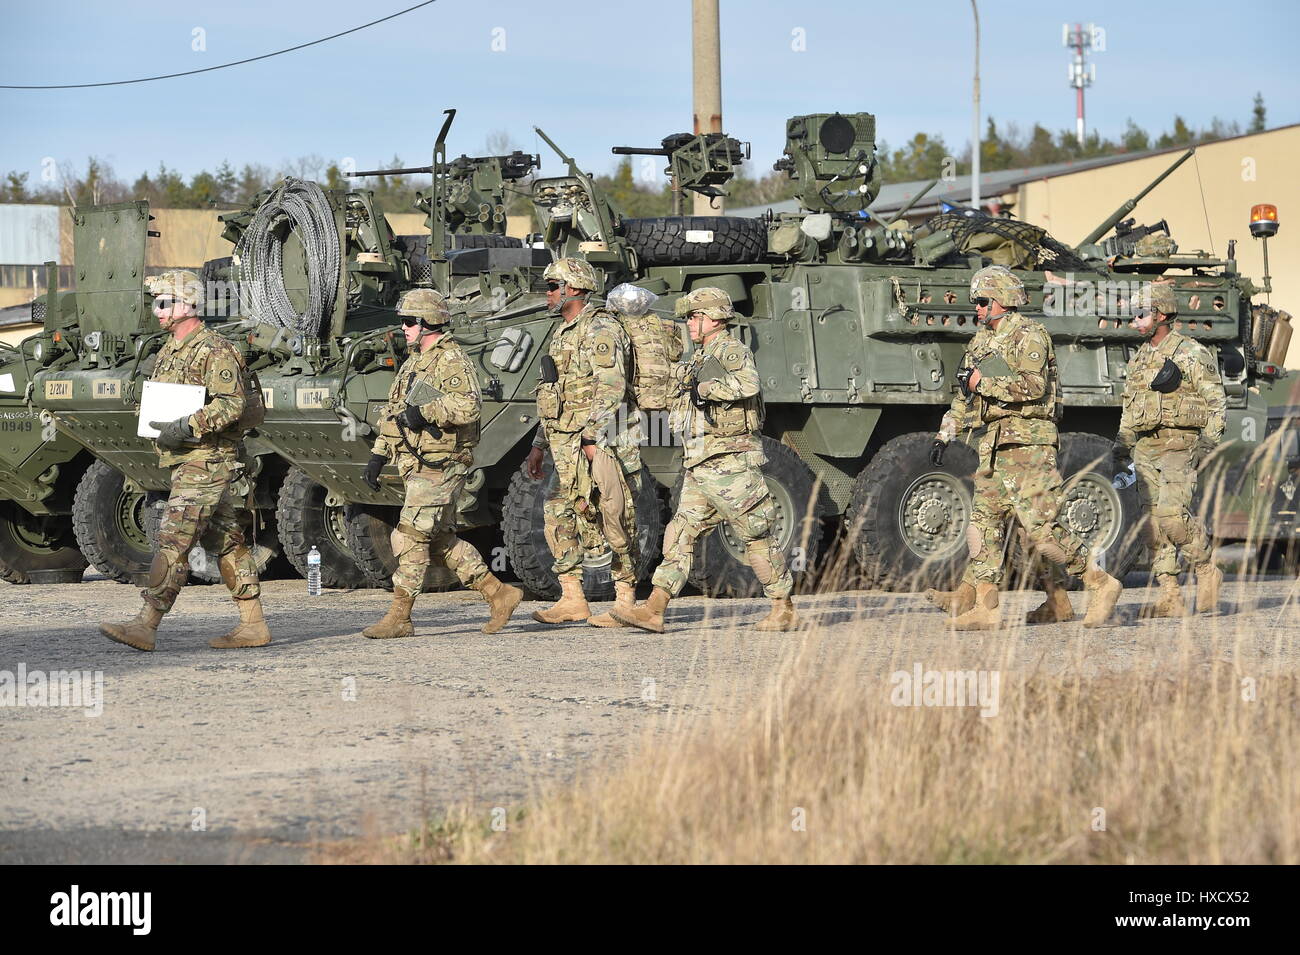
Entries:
{"x":39,"y":472}
{"x":856,"y":324}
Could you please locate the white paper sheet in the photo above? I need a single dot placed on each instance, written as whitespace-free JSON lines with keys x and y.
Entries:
{"x":164,"y":401}
{"x":7,"y":382}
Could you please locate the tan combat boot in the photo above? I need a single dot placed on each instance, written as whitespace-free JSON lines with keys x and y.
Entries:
{"x":1208,"y":580}
{"x":570,"y":608}
{"x":1055,"y":609}
{"x":1169,"y":603}
{"x":251,"y":632}
{"x":984,"y":615}
{"x":395,"y":623}
{"x":1103,"y":594}
{"x":781,"y":617}
{"x":624,"y":599}
{"x":502,"y":599}
{"x":647,"y":616}
{"x":139,"y":632}
{"x":953,"y":602}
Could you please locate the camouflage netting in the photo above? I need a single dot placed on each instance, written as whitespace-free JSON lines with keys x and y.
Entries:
{"x":1009,"y":242}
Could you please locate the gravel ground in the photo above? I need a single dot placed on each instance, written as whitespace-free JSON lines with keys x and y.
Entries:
{"x":325,"y":735}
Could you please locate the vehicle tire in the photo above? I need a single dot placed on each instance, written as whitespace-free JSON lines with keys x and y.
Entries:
{"x":522,"y":528}
{"x":305,"y":521}
{"x":720,"y":569}
{"x":38,"y":550}
{"x":486,"y":242}
{"x":112,"y":524}
{"x":204,"y":567}
{"x":906,"y":520}
{"x":663,"y":240}
{"x":1093,"y":509}
{"x":369,"y":531}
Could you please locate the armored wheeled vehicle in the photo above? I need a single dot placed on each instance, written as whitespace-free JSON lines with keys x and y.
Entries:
{"x":857,"y":324}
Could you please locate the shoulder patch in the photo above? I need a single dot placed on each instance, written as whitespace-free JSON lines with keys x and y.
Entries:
{"x":227,"y":374}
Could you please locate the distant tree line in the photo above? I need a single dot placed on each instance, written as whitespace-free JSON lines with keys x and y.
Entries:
{"x":924,"y":156}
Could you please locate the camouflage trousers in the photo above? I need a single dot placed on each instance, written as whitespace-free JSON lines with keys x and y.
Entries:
{"x":1165,"y":462}
{"x":573,"y":524}
{"x":208,"y":504}
{"x":425,"y":531}
{"x":725,"y":487}
{"x":1023,"y":484}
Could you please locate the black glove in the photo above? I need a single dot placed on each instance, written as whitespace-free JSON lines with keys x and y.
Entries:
{"x":936,"y":453}
{"x":412,"y":418}
{"x":1122,"y":456}
{"x":695,"y":394}
{"x":172,"y":434}
{"x":963,"y":382}
{"x":373,"y":467}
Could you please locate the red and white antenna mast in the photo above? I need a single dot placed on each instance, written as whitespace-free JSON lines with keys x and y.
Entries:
{"x":1081,"y":74}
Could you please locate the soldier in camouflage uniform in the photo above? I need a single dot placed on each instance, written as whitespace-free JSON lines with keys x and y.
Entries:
{"x":1008,"y":397}
{"x":430,"y":428}
{"x":718,"y":410}
{"x":1174,"y":414}
{"x":580,"y":412}
{"x":209,"y":490}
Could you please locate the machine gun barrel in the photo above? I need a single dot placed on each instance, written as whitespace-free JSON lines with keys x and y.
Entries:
{"x":1111,"y":220}
{"x":641,"y":151}
{"x":391,"y":172}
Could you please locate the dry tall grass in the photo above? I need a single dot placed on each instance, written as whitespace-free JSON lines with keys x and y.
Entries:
{"x":1179,"y":758}
{"x":1183,"y":750}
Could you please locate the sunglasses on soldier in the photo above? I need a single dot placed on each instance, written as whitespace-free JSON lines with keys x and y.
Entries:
{"x":980,"y":302}
{"x":163,"y":303}
{"x":410,"y":321}
{"x":553,"y":286}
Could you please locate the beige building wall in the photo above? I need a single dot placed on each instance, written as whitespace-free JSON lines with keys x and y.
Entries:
{"x":1233,"y":174}
{"x":13,"y":334}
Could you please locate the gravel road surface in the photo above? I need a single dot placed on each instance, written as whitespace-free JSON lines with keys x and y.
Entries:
{"x":201,"y":755}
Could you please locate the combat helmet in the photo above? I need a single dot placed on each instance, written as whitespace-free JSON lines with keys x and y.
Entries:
{"x":427,"y":305}
{"x":1160,"y":297}
{"x":181,"y":284}
{"x":575,"y":273}
{"x":713,"y":302}
{"x":1000,"y":284}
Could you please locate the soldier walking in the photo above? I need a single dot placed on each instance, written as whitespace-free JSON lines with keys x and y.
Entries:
{"x":209,"y":493}
{"x":1174,"y":415}
{"x":718,"y":410}
{"x":1009,"y":396}
{"x":585,"y":388}
{"x":430,"y":427}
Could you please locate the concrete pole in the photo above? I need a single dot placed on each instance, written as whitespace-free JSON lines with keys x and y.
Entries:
{"x":975,"y":118}
{"x":706,"y":60}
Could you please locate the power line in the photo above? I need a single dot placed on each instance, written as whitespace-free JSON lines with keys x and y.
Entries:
{"x":209,"y":69}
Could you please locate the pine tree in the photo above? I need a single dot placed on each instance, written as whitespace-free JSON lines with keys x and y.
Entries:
{"x":1258,"y":115}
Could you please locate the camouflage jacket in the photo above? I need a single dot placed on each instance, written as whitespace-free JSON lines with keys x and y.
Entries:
{"x":454,"y":403}
{"x":205,"y":358}
{"x":1199,"y":403}
{"x":733,"y":404}
{"x":591,"y":355}
{"x":1017,"y":400}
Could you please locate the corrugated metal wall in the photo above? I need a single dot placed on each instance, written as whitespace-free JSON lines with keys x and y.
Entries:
{"x":29,"y":234}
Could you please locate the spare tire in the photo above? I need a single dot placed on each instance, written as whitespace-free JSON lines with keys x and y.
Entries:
{"x":696,"y":240}
{"x":486,"y":242}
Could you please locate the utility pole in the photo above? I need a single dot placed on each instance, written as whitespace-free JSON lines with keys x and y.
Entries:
{"x":975,"y":119}
{"x":1080,"y":73}
{"x":706,"y":57}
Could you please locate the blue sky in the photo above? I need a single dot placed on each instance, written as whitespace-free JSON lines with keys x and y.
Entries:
{"x":596,"y":74}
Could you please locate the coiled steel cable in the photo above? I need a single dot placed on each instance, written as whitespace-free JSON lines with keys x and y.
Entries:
{"x":304,"y":208}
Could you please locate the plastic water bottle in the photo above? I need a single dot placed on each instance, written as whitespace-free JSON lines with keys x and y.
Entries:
{"x":313,"y":572}
{"x":1125,"y":478}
